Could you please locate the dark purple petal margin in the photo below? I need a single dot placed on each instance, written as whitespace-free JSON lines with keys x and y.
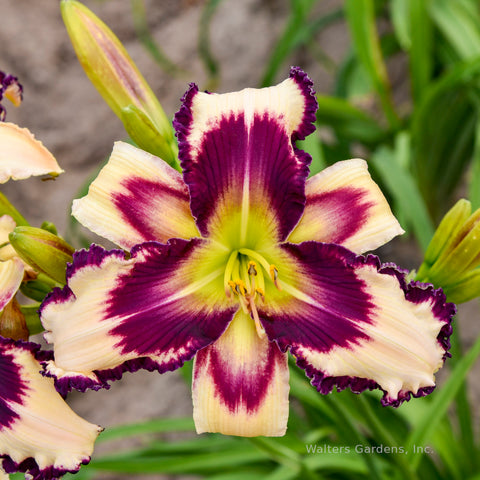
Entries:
{"x":415,"y":292}
{"x":141,"y":331}
{"x":231,"y":150}
{"x":305,"y":84}
{"x":29,"y":465}
{"x":8,"y":81}
{"x":66,"y":384}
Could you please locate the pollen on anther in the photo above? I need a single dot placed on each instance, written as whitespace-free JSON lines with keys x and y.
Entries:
{"x":232,"y":285}
{"x":274,"y":276}
{"x":261,"y":293}
{"x":273,"y":272}
{"x":252,"y":268}
{"x":240,"y":288}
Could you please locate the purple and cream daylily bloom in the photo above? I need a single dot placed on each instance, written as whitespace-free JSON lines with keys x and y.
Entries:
{"x":39,"y":433}
{"x":21,"y":155}
{"x":239,"y":261}
{"x":9,"y":88}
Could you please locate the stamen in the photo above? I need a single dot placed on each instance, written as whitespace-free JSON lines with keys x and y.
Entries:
{"x":240,"y":288}
{"x":244,"y":304}
{"x":258,"y":326}
{"x":261,"y":293}
{"x":244,"y":279}
{"x":228,"y":271}
{"x":274,"y":276}
{"x":231,"y":284}
{"x":245,"y":276}
{"x":256,"y":256}
{"x":260,"y":281}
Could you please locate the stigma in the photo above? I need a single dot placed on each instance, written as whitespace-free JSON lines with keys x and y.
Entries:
{"x":244,"y":278}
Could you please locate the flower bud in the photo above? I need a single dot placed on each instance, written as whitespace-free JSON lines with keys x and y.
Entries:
{"x":32,"y":319}
{"x":466,"y":289}
{"x":447,"y":230}
{"x":35,"y":289}
{"x":12,"y":322}
{"x":49,"y":227}
{"x":453,"y":254}
{"x":144,"y":133}
{"x":112,"y":71}
{"x":45,"y":252}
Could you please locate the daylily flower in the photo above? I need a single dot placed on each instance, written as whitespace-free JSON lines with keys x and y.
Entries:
{"x":39,"y":433}
{"x":11,"y":89}
{"x":238,"y":262}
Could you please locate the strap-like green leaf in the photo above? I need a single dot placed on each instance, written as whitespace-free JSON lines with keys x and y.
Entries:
{"x":361,"y":21}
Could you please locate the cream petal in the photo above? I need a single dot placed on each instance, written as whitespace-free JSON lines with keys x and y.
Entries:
{"x":345,"y":206}
{"x":153,"y":310}
{"x":22,"y":156}
{"x":136,"y":197}
{"x":11,"y":276}
{"x":349,"y":321}
{"x":39,"y":433}
{"x":239,"y":158}
{"x":240,"y":384}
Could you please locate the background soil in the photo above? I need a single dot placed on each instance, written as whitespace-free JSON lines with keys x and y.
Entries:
{"x":66,"y":113}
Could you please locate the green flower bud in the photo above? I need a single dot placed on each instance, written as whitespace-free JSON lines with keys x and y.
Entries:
{"x":453,"y":254}
{"x":43,"y":251}
{"x":30,"y":312}
{"x":144,"y":133}
{"x":35,"y":289}
{"x":449,"y":226}
{"x":112,"y":71}
{"x":49,"y":227}
{"x":466,"y":289}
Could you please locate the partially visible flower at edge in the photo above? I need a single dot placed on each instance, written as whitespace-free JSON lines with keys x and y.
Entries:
{"x":11,"y":89}
{"x":39,"y":433}
{"x":238,"y":262}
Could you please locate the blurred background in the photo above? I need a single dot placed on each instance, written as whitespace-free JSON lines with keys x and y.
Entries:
{"x":398,"y":84}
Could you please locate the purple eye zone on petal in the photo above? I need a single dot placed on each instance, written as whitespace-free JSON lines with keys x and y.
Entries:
{"x":348,"y":221}
{"x":239,"y":389}
{"x":12,"y":388}
{"x":135,"y":204}
{"x":260,"y":151}
{"x":154,"y":323}
{"x":332,"y":322}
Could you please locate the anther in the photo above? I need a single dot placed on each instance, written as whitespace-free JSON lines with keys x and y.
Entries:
{"x":240,"y":288}
{"x":274,"y":275}
{"x":261,"y":293}
{"x":232,"y":285}
{"x":252,"y":268}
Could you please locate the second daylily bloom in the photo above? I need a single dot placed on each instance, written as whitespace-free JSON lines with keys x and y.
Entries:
{"x":237,"y":263}
{"x":39,"y":433}
{"x":11,"y":89}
